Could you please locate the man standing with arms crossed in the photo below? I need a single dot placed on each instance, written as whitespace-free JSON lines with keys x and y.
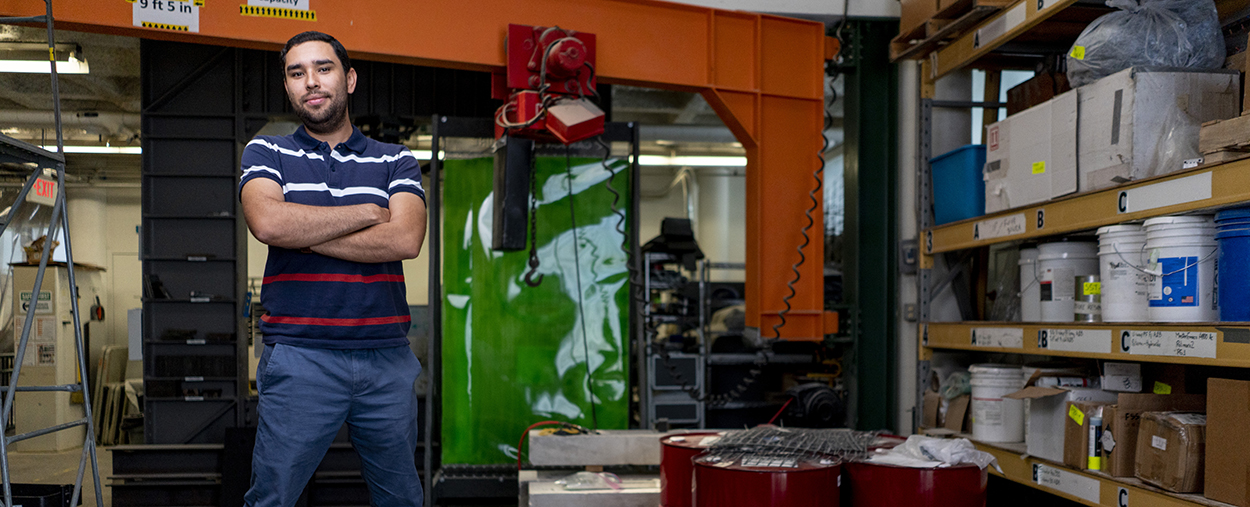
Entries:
{"x":339,"y":212}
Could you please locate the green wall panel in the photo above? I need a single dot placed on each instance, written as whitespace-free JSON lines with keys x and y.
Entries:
{"x":512,"y":354}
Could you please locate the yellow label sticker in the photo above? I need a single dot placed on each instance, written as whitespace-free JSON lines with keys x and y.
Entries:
{"x":1092,"y":288}
{"x":1039,"y":167}
{"x":1161,"y":388}
{"x":1076,"y":414}
{"x":1078,"y":52}
{"x":1095,"y":463}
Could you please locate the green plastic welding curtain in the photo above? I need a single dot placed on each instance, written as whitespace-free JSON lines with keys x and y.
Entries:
{"x":513,"y":354}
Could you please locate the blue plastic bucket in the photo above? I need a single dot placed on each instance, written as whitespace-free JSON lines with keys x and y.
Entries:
{"x":958,"y":184}
{"x":1233,"y":278}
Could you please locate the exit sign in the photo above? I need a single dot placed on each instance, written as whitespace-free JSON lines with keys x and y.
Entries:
{"x":42,"y":192}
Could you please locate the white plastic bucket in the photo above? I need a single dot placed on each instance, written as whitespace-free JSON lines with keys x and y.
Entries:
{"x":1030,"y":298}
{"x":1184,"y":288}
{"x":1121,"y":249}
{"x":995,"y":418}
{"x":1059,"y":264}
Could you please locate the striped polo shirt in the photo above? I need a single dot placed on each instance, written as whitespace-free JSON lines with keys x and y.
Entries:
{"x":318,"y":301}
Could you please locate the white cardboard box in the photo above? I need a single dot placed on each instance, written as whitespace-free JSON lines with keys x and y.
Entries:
{"x":1045,"y":408}
{"x":1126,"y":117}
{"x":1031,"y":156}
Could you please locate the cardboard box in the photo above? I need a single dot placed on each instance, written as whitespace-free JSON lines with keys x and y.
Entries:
{"x":1122,"y":377}
{"x":1228,"y":449}
{"x":932,"y":403}
{"x":1045,"y":410}
{"x":1170,"y":450}
{"x":1120,"y":424}
{"x":957,"y":414}
{"x":1031,"y":157}
{"x":1160,"y":378}
{"x":913,"y":14}
{"x":1076,"y":448}
{"x":1124,"y":116}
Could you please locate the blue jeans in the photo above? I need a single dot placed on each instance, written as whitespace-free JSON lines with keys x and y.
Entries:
{"x":305,"y":396}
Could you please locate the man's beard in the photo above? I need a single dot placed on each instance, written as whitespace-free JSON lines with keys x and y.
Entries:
{"x":326,"y":121}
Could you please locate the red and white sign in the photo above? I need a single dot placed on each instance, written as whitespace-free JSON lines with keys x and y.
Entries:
{"x":42,"y":192}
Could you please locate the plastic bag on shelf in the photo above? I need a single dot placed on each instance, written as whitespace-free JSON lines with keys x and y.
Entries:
{"x":928,"y":452}
{"x":1178,"y":142}
{"x":957,"y":384}
{"x":1169,"y":33}
{"x":590,"y":480}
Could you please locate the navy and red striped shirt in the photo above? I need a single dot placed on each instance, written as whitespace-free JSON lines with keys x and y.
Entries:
{"x":318,"y":301}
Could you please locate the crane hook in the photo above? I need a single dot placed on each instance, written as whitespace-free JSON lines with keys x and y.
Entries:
{"x":529,"y":275}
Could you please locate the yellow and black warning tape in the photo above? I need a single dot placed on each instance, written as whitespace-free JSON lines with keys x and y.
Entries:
{"x":163,"y":26}
{"x":277,"y":12}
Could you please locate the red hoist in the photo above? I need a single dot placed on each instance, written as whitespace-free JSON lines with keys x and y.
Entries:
{"x":549,"y":86}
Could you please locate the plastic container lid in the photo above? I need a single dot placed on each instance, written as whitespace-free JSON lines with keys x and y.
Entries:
{"x":1116,"y":229}
{"x":1068,"y":250}
{"x":1233,"y":214}
{"x":1194,"y":220}
{"x":995,"y":369}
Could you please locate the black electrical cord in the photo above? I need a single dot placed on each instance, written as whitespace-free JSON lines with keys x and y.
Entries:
{"x":577,"y":269}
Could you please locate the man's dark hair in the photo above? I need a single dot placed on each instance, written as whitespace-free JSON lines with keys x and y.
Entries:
{"x":339,"y":50}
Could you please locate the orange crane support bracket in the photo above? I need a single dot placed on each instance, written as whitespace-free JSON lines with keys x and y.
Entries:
{"x":762,"y":74}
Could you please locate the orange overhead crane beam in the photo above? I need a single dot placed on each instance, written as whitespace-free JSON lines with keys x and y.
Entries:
{"x":762,"y":74}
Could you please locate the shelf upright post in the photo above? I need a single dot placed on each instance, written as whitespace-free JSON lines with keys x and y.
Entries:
{"x":924,"y":220}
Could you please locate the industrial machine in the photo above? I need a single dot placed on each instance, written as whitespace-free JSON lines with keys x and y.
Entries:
{"x":550,"y":74}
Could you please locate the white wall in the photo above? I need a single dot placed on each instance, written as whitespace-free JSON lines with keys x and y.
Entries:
{"x":858,"y":8}
{"x":719,"y":218}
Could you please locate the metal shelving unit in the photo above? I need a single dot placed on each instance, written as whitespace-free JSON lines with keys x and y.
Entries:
{"x":1209,"y":187}
{"x":667,"y":397}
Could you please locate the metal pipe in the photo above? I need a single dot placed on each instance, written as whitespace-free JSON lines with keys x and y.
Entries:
{"x":44,"y":431}
{"x":434,"y":231}
{"x":69,"y":388}
{"x":117,"y":125}
{"x":13,"y":184}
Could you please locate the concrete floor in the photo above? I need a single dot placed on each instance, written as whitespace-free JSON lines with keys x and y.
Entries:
{"x":62,"y":468}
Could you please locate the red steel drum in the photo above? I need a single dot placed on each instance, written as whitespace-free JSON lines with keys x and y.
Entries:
{"x":881,"y":485}
{"x":677,"y":453}
{"x":764,"y":481}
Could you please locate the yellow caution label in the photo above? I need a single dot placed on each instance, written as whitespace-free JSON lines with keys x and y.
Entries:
{"x":51,"y":55}
{"x":163,"y":26}
{"x":1078,"y":52}
{"x":277,"y":12}
{"x":1076,"y":414}
{"x":1161,"y":388}
{"x":1092,"y":288}
{"x":1039,"y":167}
{"x":1095,"y":463}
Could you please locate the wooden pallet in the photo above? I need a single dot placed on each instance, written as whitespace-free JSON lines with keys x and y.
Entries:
{"x":943,"y":26}
{"x":1232,"y":134}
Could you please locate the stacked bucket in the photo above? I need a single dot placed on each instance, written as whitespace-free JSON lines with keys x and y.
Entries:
{"x":1232,"y":232}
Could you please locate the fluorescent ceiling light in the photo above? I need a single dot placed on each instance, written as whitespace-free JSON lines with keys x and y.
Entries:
{"x":691,"y":161}
{"x":32,"y":58}
{"x":101,"y":150}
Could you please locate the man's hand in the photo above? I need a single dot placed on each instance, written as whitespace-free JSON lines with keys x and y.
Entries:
{"x":276,"y":222}
{"x":395,"y":240}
